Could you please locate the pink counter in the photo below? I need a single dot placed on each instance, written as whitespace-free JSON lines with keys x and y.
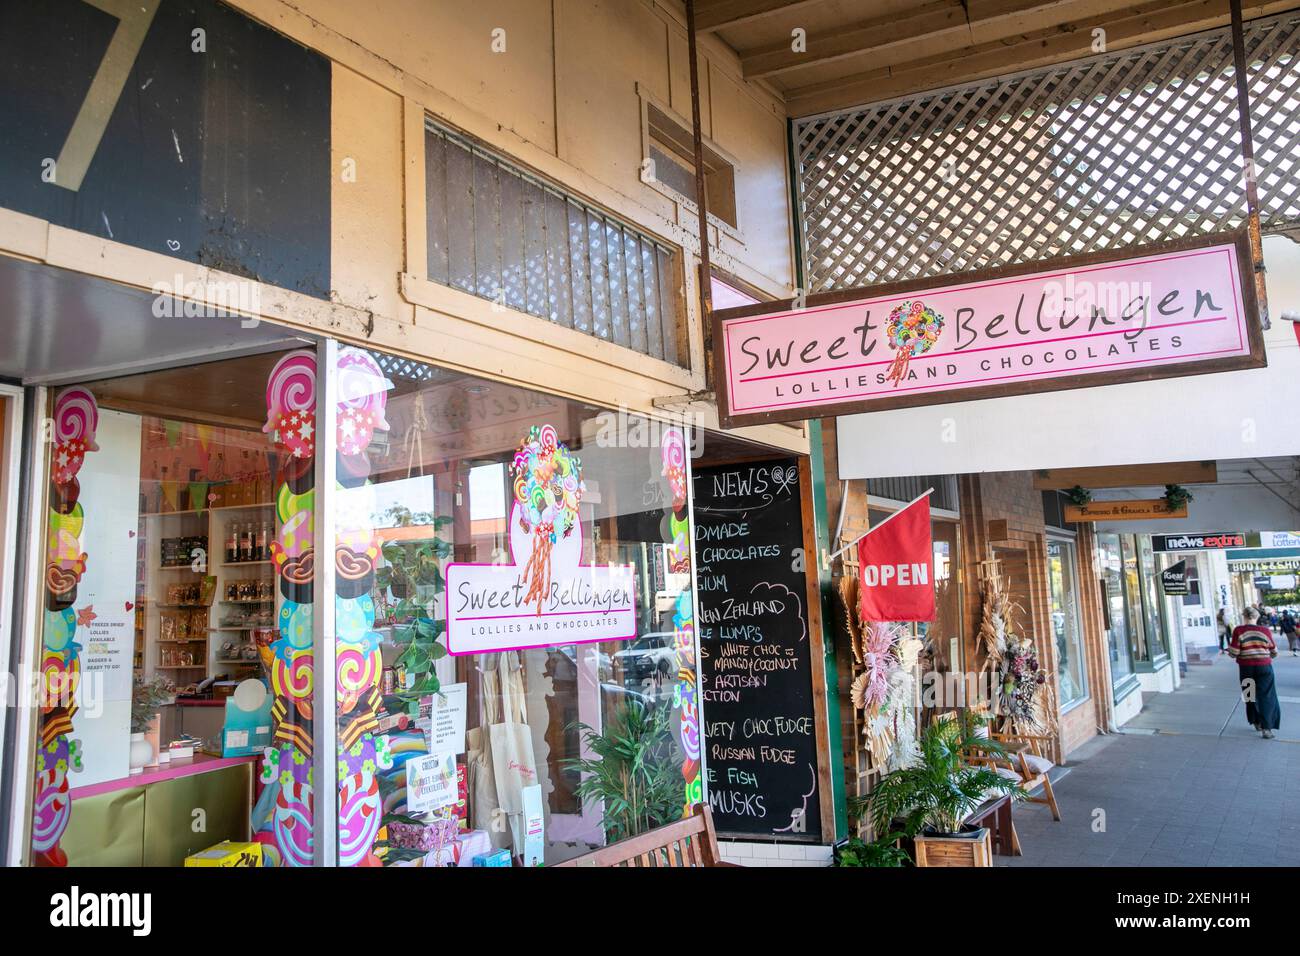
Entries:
{"x":199,"y":763}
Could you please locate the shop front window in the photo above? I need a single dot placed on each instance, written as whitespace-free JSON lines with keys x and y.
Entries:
{"x":1139,"y":646}
{"x":1152,"y":600}
{"x":1063,"y":585}
{"x":513,"y":596}
{"x":160,"y":616}
{"x":1110,"y":560}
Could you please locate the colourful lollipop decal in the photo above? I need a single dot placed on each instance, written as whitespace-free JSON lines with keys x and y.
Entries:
{"x":548,"y":488}
{"x":291,"y":403}
{"x":363,"y":400}
{"x":911,"y":330}
{"x":76,"y":418}
{"x":674,"y":465}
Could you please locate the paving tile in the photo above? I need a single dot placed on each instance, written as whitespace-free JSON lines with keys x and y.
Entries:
{"x":1203,"y":792}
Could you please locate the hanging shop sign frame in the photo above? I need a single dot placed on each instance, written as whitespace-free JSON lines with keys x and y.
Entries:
{"x":1137,"y":509}
{"x":1187,"y":307}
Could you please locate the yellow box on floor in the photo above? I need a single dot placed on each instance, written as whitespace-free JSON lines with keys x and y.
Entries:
{"x":227,"y":853}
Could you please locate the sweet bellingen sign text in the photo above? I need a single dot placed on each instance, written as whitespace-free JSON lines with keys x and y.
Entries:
{"x":1182,"y":308}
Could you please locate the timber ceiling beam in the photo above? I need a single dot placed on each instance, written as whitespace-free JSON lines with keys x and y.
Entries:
{"x":1128,"y":476}
{"x":713,"y":15}
{"x":1141,"y":23}
{"x":929,"y":21}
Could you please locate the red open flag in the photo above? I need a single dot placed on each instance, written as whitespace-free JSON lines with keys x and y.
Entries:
{"x":896,"y":566}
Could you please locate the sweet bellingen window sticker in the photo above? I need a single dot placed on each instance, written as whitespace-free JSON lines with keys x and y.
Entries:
{"x":1182,"y":309}
{"x":545,"y":595}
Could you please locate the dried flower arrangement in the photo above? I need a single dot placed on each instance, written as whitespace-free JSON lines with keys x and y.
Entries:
{"x":1023,"y":691}
{"x":884,"y":688}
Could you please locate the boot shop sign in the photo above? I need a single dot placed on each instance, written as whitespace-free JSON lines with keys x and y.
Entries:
{"x":1181,"y":308}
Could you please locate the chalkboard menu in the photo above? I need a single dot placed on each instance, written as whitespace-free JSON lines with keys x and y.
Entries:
{"x":755,"y":661}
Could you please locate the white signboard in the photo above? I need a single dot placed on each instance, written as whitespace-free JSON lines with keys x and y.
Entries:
{"x":105,"y":608}
{"x":444,"y":728}
{"x":1279,"y":539}
{"x":430,"y":782}
{"x":489,"y":607}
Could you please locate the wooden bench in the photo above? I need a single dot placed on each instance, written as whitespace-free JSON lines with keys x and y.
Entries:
{"x":691,"y":841}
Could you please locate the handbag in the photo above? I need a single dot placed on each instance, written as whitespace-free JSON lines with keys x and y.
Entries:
{"x":485,"y":811}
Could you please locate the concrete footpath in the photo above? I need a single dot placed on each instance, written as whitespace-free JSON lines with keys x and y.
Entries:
{"x":1188,"y":783}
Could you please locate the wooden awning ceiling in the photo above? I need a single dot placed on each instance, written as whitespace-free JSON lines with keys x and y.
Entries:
{"x":862,"y":51}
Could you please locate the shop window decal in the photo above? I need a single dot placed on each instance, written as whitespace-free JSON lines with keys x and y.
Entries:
{"x":76,"y":418}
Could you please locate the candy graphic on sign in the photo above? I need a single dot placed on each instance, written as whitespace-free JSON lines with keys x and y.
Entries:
{"x":912,"y":329}
{"x":548,"y":488}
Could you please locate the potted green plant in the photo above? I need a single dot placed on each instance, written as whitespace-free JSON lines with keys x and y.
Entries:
{"x":412,"y":573}
{"x":147,"y":699}
{"x":1176,"y":497}
{"x":1079,"y":495}
{"x":884,"y":851}
{"x":934,"y":796}
{"x":634,"y":770}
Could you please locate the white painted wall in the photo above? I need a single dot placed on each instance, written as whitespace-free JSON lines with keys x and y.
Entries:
{"x":1245,"y":414}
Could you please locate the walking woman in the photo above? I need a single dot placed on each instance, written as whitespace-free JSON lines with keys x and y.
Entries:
{"x":1253,"y":649}
{"x":1224,"y":628}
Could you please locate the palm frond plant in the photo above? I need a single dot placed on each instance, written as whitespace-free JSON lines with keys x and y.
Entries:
{"x":634,"y":770}
{"x":938,"y":792}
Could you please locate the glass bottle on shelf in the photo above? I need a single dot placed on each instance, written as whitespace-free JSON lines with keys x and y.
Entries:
{"x":232,"y":545}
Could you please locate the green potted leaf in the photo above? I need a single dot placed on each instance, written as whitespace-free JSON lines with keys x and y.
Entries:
{"x":934,"y":796}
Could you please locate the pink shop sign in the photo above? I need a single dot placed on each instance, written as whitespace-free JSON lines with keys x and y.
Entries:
{"x":489,"y":609}
{"x":1181,"y":308}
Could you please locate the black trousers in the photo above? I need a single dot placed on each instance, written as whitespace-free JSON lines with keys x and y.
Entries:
{"x":1259,"y":689}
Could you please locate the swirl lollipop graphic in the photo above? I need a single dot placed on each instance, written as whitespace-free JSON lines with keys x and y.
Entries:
{"x":911,"y":330}
{"x":548,"y":487}
{"x":291,"y":403}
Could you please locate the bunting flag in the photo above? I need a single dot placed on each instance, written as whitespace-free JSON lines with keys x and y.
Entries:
{"x":173,"y":430}
{"x":204,"y":435}
{"x":171,"y":494}
{"x":199,"y":496}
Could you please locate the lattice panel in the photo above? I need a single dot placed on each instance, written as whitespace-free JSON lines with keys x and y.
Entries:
{"x":1117,"y":150}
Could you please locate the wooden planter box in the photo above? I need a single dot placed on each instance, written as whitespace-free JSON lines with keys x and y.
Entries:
{"x":966,"y":849}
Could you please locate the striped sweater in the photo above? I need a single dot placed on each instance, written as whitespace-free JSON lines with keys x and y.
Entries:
{"x":1252,"y":645}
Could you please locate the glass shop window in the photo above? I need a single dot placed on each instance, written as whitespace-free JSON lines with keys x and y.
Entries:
{"x":1111,"y":562}
{"x":1063,"y":587}
{"x":160,"y":613}
{"x":514,"y":611}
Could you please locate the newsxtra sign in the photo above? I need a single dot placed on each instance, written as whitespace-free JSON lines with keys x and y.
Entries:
{"x":1181,"y":308}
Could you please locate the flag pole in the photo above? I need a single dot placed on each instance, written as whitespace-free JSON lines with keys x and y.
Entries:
{"x":926,"y":493}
